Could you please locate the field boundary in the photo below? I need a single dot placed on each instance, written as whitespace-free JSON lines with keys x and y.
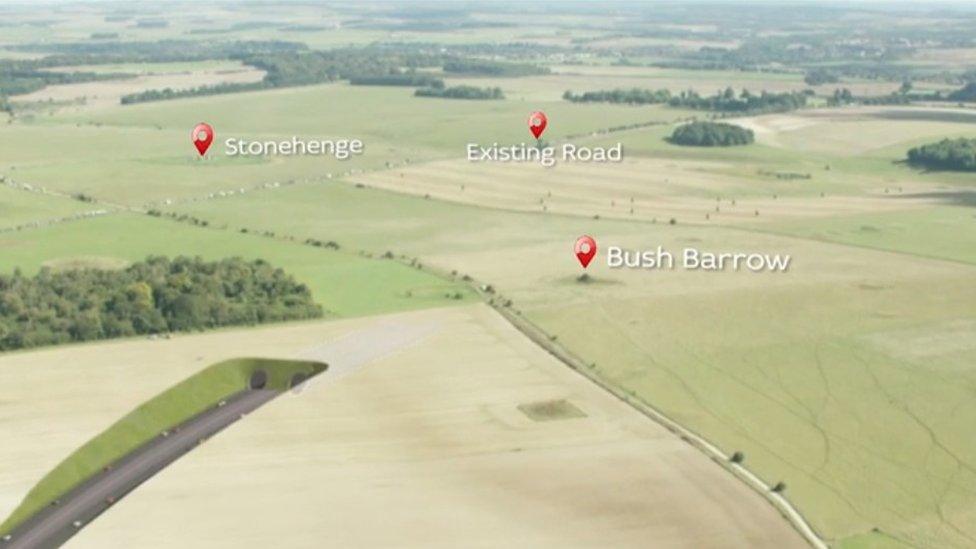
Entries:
{"x":543,"y":340}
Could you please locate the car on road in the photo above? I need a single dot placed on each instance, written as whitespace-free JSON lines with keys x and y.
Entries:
{"x":110,"y":500}
{"x":8,"y":537}
{"x":222,"y":403}
{"x":76,"y":524}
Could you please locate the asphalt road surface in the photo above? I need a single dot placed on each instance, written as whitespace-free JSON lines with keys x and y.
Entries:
{"x":53,"y":526}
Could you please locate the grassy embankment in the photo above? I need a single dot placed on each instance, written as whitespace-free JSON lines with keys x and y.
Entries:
{"x":170,"y":408}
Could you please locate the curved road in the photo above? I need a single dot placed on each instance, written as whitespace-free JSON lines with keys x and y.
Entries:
{"x":54,"y":525}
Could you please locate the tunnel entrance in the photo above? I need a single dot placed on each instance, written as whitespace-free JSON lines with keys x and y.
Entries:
{"x":259,"y":379}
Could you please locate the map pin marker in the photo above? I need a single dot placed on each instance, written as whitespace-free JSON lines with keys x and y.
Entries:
{"x":585,"y":250}
{"x":202,"y":136}
{"x":537,"y":123}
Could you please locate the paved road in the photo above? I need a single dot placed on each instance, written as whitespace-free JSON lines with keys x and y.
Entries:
{"x":53,"y":526}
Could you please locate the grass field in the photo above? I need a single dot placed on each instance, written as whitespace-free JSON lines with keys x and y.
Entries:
{"x":345,"y":283}
{"x":18,"y":207}
{"x":170,"y":408}
{"x":435,"y":430}
{"x":142,"y":153}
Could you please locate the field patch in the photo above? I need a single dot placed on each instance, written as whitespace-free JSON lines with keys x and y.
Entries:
{"x":941,"y":232}
{"x":21,"y":208}
{"x":701,"y":191}
{"x":551,"y":410}
{"x":84,"y":96}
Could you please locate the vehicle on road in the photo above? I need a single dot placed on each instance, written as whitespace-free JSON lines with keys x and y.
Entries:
{"x":77,"y":524}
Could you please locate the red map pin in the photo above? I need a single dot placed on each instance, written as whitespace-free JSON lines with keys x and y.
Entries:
{"x":537,"y":123}
{"x":585,"y":250}
{"x":202,"y":136}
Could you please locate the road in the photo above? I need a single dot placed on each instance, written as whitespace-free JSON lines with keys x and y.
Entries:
{"x":53,"y":526}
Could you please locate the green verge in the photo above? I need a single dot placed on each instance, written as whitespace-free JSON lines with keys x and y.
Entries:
{"x":177,"y":404}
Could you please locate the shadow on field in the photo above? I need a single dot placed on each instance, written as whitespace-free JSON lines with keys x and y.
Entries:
{"x":949,"y":198}
{"x":926,"y":116}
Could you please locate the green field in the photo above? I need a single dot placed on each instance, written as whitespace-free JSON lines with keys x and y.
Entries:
{"x":18,"y":207}
{"x":142,"y":153}
{"x":343,"y":282}
{"x":169,"y":409}
{"x":945,"y":232}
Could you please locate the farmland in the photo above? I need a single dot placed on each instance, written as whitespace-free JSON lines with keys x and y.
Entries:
{"x":847,"y":382}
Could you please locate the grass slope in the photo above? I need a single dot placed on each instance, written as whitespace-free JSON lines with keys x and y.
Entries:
{"x":171,"y":407}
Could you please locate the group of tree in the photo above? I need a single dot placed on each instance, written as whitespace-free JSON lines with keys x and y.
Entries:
{"x":746,"y":101}
{"x":461,"y":92}
{"x":154,"y":296}
{"x":493,"y":68}
{"x":844,"y":96}
{"x":411,"y":79}
{"x":169,"y":93}
{"x":948,"y":154}
{"x":633,"y":96}
{"x":711,"y":134}
{"x":965,"y":94}
{"x":820,"y":76}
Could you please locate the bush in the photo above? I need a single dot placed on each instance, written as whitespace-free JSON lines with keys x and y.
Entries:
{"x":711,"y":134}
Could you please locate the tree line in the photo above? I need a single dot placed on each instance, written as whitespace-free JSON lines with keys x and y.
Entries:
{"x":461,"y":92}
{"x":493,"y":68}
{"x":411,"y":79}
{"x":746,"y":101}
{"x":723,"y":101}
{"x":154,"y":296}
{"x":633,"y":96}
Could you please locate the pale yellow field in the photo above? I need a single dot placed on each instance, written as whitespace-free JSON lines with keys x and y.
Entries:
{"x":645,"y":189}
{"x":106,"y":93}
{"x":56,"y":399}
{"x":857,"y":130}
{"x":423,"y":447}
